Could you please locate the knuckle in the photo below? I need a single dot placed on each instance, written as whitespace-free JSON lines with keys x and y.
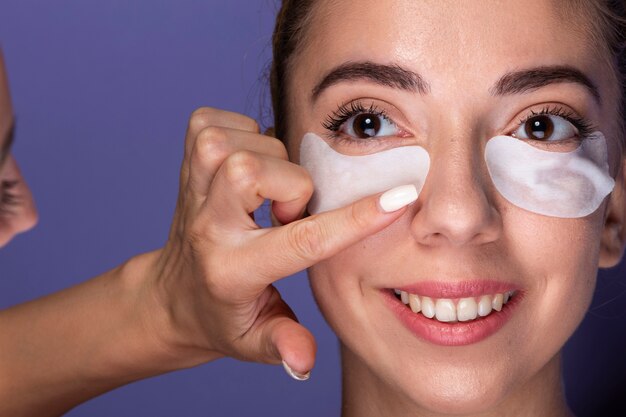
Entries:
{"x":242,"y":169}
{"x":213,"y":144}
{"x":358,"y":218}
{"x":200,"y":118}
{"x":307,"y":239}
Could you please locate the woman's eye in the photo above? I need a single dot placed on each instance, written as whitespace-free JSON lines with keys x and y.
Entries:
{"x":546,"y":128}
{"x":369,"y":125}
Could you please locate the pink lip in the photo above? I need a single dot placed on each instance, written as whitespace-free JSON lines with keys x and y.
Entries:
{"x":451,"y":334}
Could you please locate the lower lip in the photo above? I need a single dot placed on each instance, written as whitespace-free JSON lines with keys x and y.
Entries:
{"x":450,"y":334}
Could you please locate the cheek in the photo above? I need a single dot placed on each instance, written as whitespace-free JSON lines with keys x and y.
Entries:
{"x":343,"y":280}
{"x":559,"y":259}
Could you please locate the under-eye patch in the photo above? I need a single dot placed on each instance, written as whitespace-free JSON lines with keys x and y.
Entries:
{"x":558,"y":184}
{"x":342,"y":179}
{"x":544,"y":181}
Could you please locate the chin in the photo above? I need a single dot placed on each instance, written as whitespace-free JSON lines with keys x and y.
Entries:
{"x":457,"y":392}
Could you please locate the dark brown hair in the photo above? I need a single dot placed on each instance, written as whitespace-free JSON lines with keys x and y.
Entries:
{"x":608,"y":30}
{"x":289,"y":32}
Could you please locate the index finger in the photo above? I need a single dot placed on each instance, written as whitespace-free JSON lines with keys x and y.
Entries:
{"x":285,"y":250}
{"x":205,"y":117}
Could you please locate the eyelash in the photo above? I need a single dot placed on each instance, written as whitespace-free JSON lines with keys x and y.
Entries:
{"x":337,"y":118}
{"x":8,"y":199}
{"x":585,"y":128}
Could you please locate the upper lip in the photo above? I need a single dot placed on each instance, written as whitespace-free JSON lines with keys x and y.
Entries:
{"x":458,"y":289}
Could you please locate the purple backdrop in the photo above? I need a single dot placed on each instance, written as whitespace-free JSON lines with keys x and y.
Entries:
{"x":102,"y":92}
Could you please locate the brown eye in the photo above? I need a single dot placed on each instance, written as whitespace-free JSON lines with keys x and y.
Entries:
{"x":546,"y":128}
{"x":369,"y":125}
{"x":539,"y":127}
{"x":366,"y":125}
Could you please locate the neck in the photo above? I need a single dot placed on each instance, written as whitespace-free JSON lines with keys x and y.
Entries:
{"x":365,"y":395}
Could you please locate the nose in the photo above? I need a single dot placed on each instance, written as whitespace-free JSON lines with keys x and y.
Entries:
{"x":456,"y":206}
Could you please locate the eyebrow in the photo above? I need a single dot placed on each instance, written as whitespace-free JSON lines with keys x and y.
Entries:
{"x":386,"y":75}
{"x":532,"y":79}
{"x":394,"y":76}
{"x":8,"y":143}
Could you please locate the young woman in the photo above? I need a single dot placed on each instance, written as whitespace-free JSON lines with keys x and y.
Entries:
{"x":490,"y":283}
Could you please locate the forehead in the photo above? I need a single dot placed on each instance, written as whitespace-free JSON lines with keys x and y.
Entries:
{"x":460,"y":44}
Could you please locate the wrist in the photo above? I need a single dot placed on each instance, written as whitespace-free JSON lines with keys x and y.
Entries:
{"x":162,"y":313}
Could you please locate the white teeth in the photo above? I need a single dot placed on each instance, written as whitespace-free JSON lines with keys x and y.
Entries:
{"x":414,"y":302}
{"x":428,"y":307}
{"x":498,"y":299}
{"x":467,"y":309}
{"x":445,"y":310}
{"x":484,"y":306}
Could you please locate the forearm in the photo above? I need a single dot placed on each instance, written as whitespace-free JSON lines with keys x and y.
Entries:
{"x":60,"y":350}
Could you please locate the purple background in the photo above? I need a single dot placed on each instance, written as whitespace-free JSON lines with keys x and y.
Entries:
{"x":102,"y":91}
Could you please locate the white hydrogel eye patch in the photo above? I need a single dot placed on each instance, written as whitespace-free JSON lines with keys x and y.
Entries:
{"x":342,"y":179}
{"x":558,"y":184}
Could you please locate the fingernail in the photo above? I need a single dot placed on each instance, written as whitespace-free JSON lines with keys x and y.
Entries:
{"x":398,"y":197}
{"x":296,"y":375}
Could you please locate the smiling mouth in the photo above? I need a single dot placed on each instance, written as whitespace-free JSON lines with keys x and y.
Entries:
{"x":454,"y":310}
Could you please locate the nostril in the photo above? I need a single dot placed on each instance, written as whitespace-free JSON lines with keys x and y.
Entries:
{"x":476,"y":224}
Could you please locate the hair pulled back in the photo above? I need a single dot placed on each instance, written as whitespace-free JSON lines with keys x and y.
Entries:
{"x":289,"y":32}
{"x":608,"y":18}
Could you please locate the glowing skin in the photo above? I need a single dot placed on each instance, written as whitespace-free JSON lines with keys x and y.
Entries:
{"x":461,"y":229}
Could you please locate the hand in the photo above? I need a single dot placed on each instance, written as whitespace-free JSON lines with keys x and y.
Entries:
{"x":216,"y":272}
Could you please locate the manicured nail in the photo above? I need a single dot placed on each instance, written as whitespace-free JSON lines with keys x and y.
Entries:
{"x":398,"y":197}
{"x":296,"y":375}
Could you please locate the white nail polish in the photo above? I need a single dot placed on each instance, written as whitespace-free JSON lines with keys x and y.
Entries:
{"x":296,"y":375}
{"x":398,"y":197}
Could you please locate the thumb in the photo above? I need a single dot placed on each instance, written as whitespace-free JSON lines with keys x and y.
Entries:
{"x":282,"y":338}
{"x":296,"y":347}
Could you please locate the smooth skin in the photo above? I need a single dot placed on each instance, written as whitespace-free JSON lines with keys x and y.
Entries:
{"x":460,"y":228}
{"x":207,"y":294}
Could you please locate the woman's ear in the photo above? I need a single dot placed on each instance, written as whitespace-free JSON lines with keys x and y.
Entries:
{"x":17,"y":207}
{"x":614,"y":232}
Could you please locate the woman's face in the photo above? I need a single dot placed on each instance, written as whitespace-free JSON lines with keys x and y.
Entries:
{"x":461,"y":238}
{"x":17,"y":209}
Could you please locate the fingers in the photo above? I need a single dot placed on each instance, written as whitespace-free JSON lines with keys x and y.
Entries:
{"x":283,"y":251}
{"x":280,"y":337}
{"x":205,"y":117}
{"x":215,"y":144}
{"x":246,"y":179}
{"x":296,"y":347}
